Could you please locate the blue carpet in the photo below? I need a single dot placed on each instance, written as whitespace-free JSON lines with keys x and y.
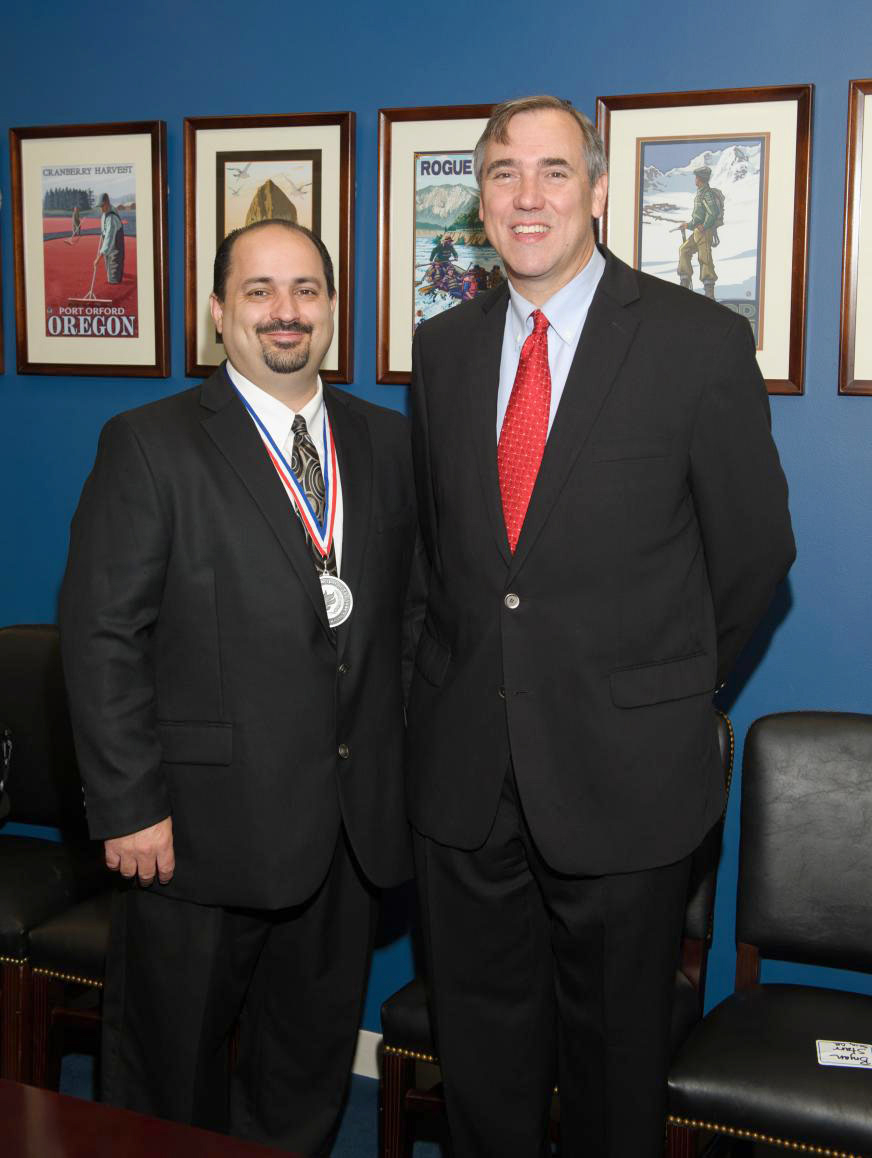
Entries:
{"x":358,"y":1134}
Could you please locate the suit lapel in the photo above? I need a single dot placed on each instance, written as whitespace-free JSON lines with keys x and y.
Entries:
{"x":354,"y":454}
{"x":607,"y":336}
{"x":481,"y":392}
{"x":233,"y":432}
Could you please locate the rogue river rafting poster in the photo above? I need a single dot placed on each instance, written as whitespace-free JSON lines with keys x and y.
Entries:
{"x":453,"y":261}
{"x":432,"y":250}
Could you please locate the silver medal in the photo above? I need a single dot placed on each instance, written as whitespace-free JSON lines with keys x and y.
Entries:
{"x":337,"y":598}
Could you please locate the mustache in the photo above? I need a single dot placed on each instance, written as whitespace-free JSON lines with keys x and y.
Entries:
{"x":280,"y":327}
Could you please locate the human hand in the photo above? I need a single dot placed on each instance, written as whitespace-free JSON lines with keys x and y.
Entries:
{"x":146,"y":853}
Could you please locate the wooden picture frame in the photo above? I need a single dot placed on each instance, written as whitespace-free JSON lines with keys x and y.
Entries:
{"x":299,"y":166}
{"x":436,"y":137}
{"x":74,"y":314}
{"x":756,"y":142}
{"x":855,"y":346}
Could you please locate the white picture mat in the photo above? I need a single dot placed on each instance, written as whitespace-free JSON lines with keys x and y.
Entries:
{"x":779,"y":119}
{"x":40,"y":152}
{"x":408,"y":138}
{"x":863,"y":256}
{"x":210,"y":142}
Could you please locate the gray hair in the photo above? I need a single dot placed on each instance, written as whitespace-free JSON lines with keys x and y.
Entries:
{"x":497,"y":129}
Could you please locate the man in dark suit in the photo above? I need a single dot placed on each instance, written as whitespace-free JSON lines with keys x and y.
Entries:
{"x":231,"y":622}
{"x":606,"y":520}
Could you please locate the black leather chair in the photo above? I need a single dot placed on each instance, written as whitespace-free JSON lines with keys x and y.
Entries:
{"x":406,"y":1031}
{"x":67,"y":965}
{"x":750,"y":1069}
{"x":38,"y":878}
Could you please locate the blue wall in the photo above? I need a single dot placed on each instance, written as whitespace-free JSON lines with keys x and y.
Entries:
{"x":61,"y":63}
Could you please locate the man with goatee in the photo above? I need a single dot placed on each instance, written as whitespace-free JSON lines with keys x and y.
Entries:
{"x":231,"y":623}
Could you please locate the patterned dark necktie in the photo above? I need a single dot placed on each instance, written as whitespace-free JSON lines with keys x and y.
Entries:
{"x":307,"y":467}
{"x":525,"y":428}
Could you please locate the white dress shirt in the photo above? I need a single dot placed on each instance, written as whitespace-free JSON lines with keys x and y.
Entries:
{"x":566,"y":312}
{"x":278,"y":418}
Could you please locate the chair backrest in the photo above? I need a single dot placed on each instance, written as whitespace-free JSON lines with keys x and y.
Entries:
{"x":44,"y":786}
{"x":704,"y":866}
{"x":805,"y":853}
{"x":698,"y":916}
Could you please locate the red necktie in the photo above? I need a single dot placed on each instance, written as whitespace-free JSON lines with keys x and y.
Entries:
{"x":525,"y":428}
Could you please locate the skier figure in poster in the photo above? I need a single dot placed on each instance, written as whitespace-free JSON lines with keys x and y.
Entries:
{"x":703,"y":225}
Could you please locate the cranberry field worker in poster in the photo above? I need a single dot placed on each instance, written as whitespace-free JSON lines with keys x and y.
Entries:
{"x":91,"y":284}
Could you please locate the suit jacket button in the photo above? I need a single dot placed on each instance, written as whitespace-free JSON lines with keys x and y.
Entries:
{"x":344,"y":751}
{"x":502,"y":693}
{"x":344,"y":668}
{"x":512,"y":601}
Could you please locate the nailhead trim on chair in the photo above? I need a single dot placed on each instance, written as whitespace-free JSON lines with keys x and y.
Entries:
{"x":12,"y":960}
{"x":424,"y":1057}
{"x":766,"y":1139}
{"x":427,"y":1057}
{"x":67,"y":977}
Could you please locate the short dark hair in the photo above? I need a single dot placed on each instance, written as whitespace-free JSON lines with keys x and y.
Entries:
{"x":497,"y":129}
{"x":225,"y":252}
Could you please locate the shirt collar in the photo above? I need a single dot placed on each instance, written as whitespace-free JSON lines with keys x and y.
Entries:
{"x":567,"y":309}
{"x":275,"y":416}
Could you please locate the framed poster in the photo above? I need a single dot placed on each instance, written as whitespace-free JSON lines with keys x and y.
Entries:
{"x":239,"y":170}
{"x":710,"y":190}
{"x":432,"y":249}
{"x":855,"y":352}
{"x":89,"y":229}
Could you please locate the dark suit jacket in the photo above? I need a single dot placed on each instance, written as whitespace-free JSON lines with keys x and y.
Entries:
{"x":656,"y":533}
{"x":204,"y":680}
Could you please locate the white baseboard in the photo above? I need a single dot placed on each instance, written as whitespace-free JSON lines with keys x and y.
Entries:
{"x":366,"y":1054}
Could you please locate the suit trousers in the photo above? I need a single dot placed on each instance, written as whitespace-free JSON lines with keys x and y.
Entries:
{"x":181,"y":975}
{"x":540,"y":979}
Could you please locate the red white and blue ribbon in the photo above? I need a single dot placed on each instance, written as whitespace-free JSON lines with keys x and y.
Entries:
{"x":321,"y":533}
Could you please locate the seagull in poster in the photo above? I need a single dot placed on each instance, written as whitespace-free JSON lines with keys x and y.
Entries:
{"x":296,"y":190}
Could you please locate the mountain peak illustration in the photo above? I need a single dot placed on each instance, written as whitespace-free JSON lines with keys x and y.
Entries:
{"x":729,"y":165}
{"x":442,"y":204}
{"x":269,"y":204}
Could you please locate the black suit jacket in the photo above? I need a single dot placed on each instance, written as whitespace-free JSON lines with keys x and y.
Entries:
{"x":204,"y":679}
{"x":656,"y":533}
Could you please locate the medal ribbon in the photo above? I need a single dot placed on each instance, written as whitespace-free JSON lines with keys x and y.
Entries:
{"x":321,"y":533}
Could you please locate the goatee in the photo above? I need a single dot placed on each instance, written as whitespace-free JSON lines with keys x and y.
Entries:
{"x":287,"y":361}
